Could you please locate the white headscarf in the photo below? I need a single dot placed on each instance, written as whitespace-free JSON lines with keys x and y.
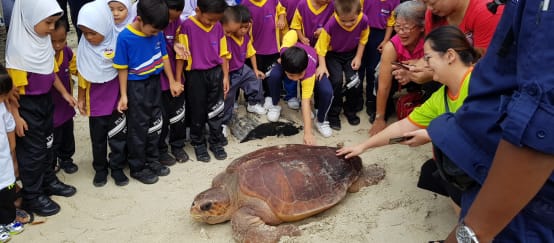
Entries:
{"x":25,"y":49}
{"x":131,"y":14}
{"x":95,"y":63}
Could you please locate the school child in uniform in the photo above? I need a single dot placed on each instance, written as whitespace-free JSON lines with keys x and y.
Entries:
{"x":31,"y":65}
{"x":299,"y":63}
{"x":173,"y":108}
{"x":207,"y":76}
{"x":140,"y":57}
{"x":309,"y":19}
{"x":8,"y":223}
{"x":64,"y":140}
{"x":123,"y":13}
{"x":268,"y":18}
{"x":242,"y":76}
{"x":340,"y":47}
{"x":99,"y":92}
{"x":290,"y":7}
{"x":381,"y":20}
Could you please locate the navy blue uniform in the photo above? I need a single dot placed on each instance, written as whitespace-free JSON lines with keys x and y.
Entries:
{"x":511,"y":97}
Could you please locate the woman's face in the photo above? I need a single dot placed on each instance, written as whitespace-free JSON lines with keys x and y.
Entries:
{"x":408,"y":31}
{"x":441,"y":8}
{"x":435,"y":61}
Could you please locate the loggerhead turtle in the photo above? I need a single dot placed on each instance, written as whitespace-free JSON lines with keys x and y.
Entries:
{"x":277,"y":184}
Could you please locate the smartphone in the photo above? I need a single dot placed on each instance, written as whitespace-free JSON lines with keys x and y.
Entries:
{"x":402,"y":65}
{"x":400,"y":139}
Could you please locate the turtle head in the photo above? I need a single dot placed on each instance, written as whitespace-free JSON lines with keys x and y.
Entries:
{"x":212,"y":206}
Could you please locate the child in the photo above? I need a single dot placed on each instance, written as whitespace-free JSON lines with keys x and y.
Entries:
{"x":64,"y":141}
{"x":207,"y":75}
{"x":380,"y":17}
{"x":268,"y":18}
{"x":30,"y":64}
{"x":242,"y":76}
{"x":173,"y":108}
{"x":309,"y":19}
{"x":99,"y":92}
{"x":299,"y":63}
{"x":340,"y":47}
{"x":140,"y":57}
{"x":123,"y":13}
{"x":8,"y":224}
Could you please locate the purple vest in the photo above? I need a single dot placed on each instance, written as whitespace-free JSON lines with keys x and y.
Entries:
{"x":290,"y":5}
{"x":264,"y":31}
{"x":39,"y":84}
{"x":204,"y":46}
{"x":311,"y":22}
{"x":170,"y":35}
{"x":238,"y":52}
{"x":378,"y":12}
{"x":103,"y":98}
{"x":63,"y":112}
{"x":343,"y":40}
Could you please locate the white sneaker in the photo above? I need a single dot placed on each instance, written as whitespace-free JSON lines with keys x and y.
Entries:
{"x":323,"y":128}
{"x":273,"y":113}
{"x":13,"y":228}
{"x":268,"y":102}
{"x":257,"y":108}
{"x":224,"y":130}
{"x":293,"y":103}
{"x":4,"y":235}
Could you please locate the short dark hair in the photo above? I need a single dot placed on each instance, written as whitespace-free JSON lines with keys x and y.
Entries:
{"x":237,"y":14}
{"x":294,"y":60}
{"x":178,"y":5}
{"x":62,"y":23}
{"x":211,"y":6}
{"x":6,"y":84}
{"x":347,"y":6}
{"x":153,"y":12}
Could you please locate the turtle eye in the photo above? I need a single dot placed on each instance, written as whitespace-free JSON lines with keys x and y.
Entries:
{"x":206,"y":206}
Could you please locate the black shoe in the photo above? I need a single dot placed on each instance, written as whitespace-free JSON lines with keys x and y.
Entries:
{"x":335,"y":124}
{"x":157,"y":168}
{"x":58,"y":188}
{"x":180,"y":155}
{"x":41,"y":205}
{"x":166,"y":159}
{"x":100,"y":178}
{"x":224,"y":141}
{"x":69,"y":167}
{"x":219,"y":152}
{"x":145,"y":176}
{"x":120,"y":178}
{"x":202,"y":153}
{"x":353,"y":119}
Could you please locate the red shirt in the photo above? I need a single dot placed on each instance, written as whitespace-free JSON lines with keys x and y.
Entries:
{"x":478,"y":24}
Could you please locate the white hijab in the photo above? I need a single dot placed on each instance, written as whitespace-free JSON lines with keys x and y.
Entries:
{"x":131,"y":14}
{"x":95,"y":62}
{"x":25,"y":49}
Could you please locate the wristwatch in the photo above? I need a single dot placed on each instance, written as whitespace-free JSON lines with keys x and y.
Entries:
{"x":464,"y":234}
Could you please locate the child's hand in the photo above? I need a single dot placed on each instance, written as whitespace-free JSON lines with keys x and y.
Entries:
{"x":70,"y":99}
{"x":380,"y":47}
{"x":181,"y":51}
{"x":176,"y":88}
{"x":320,"y":71}
{"x":122,"y":104}
{"x":356,"y":63}
{"x":225,"y":87}
{"x":317,"y":32}
{"x":281,"y":22}
{"x":304,"y":40}
{"x":309,"y":139}
{"x":259,"y":74}
{"x":20,"y":126}
{"x":81,"y":106}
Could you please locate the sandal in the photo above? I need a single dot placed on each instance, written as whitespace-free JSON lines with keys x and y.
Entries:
{"x":23,"y":217}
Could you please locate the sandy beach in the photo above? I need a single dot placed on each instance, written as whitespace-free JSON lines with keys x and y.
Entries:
{"x":395,"y":210}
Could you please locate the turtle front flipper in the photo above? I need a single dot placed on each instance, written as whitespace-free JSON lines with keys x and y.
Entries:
{"x":248,"y":227}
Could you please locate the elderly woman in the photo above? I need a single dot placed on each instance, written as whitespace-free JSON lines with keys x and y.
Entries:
{"x":405,"y":46}
{"x":451,"y":57}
